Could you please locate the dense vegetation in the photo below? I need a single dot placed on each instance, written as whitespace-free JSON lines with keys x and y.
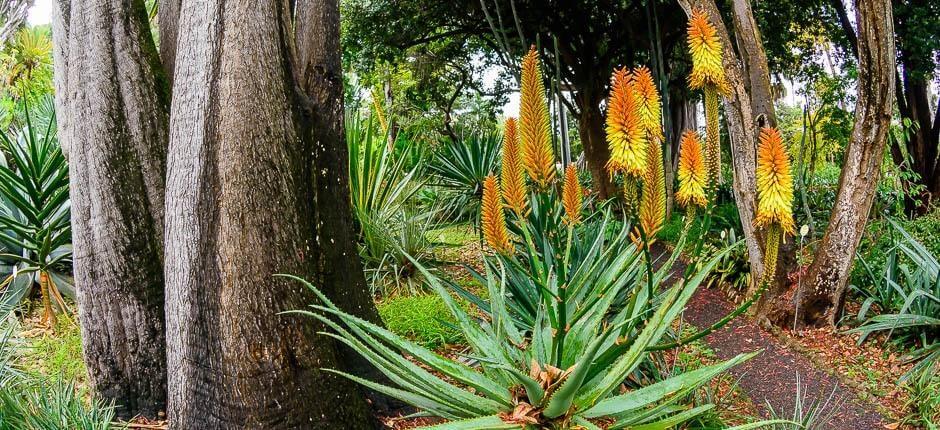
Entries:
{"x":464,"y":215}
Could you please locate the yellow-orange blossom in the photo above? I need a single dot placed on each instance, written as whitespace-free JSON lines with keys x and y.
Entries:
{"x":774,"y":182}
{"x":692,"y":175}
{"x":626,"y":135}
{"x":512,"y":177}
{"x":571,"y":196}
{"x":538,"y":157}
{"x":493,"y":218}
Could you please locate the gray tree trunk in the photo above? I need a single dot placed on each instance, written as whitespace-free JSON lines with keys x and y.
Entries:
{"x":113,"y":107}
{"x":240,"y":208}
{"x":168,"y":17}
{"x":829,"y":273}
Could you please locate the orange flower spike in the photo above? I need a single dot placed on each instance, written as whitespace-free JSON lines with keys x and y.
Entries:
{"x":692,"y":173}
{"x":652,"y":212}
{"x":706,"y":50}
{"x":650,"y":103}
{"x":626,"y":136}
{"x":494,"y":219}
{"x":512,"y":177}
{"x":774,"y":182}
{"x":538,"y":157}
{"x":572,"y":196}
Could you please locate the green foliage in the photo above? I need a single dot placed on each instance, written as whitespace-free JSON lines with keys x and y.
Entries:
{"x":35,"y":230}
{"x":924,"y":390}
{"x":460,"y":167}
{"x":423,"y":319}
{"x":554,"y":381}
{"x":909,"y":296}
{"x":29,"y":402}
{"x":26,"y":70}
{"x":58,"y":354}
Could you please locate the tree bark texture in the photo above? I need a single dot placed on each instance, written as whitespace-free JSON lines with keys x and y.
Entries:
{"x":113,"y":104}
{"x":594,"y":139}
{"x":168,"y":17}
{"x":828,"y":274}
{"x":743,"y":131}
{"x":240,"y":210}
{"x":339,"y":270}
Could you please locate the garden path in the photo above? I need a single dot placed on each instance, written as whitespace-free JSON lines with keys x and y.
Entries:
{"x":771,"y":377}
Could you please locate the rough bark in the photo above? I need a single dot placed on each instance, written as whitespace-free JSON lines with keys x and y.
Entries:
{"x":754,"y":62}
{"x":109,"y":81}
{"x":239,"y":210}
{"x":828,"y":274}
{"x":338,"y":267}
{"x":743,"y":132}
{"x":168,"y":17}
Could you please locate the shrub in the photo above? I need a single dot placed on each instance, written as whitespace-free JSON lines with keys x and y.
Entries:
{"x":35,"y":229}
{"x":460,"y":168}
{"x":423,"y":319}
{"x":909,"y":295}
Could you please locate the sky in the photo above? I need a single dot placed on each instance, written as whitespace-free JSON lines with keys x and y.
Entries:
{"x":40,"y":13}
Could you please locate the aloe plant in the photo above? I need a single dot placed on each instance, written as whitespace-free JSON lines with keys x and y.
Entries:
{"x":461,"y":166}
{"x":914,"y":311}
{"x":538,"y":379}
{"x":35,"y":230}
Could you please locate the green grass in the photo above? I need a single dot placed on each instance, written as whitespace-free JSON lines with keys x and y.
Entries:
{"x":423,"y":319}
{"x":59,"y":353}
{"x":453,"y":235}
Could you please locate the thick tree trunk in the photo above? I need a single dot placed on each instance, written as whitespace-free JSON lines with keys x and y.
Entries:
{"x":828,"y":274}
{"x":743,"y":131}
{"x":240,"y":210}
{"x":339,"y":270}
{"x":113,"y":104}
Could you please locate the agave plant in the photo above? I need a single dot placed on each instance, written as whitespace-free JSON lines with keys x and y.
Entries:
{"x":35,"y":230}
{"x":460,"y":167}
{"x":543,"y":379}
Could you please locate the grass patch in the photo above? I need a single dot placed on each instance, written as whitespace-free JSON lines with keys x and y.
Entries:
{"x":423,"y":319}
{"x":453,"y":235}
{"x":56,"y":354}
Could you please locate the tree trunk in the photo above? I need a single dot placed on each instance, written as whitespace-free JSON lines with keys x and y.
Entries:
{"x":743,"y":132}
{"x":113,"y":104}
{"x":828,"y":274}
{"x":594,"y":139}
{"x":338,"y":267}
{"x":240,"y":209}
{"x":168,"y":17}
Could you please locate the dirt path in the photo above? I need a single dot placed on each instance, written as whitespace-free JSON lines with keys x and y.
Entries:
{"x":771,"y":376}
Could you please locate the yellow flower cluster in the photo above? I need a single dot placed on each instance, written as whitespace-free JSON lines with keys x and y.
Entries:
{"x":538,"y":157}
{"x":650,"y":104}
{"x":571,"y":196}
{"x":692,"y":174}
{"x":512,"y":177}
{"x":774,"y":182}
{"x":493,"y":219}
{"x":652,"y":212}
{"x":626,"y":135}
{"x":705,"y":47}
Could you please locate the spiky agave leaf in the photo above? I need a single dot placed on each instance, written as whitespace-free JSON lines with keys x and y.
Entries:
{"x":512,"y":177}
{"x":571,"y":196}
{"x":537,"y":155}
{"x":652,"y":211}
{"x":626,"y":135}
{"x":692,"y":174}
{"x":706,"y":49}
{"x":493,"y":219}
{"x":774,"y":182}
{"x":650,"y":103}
